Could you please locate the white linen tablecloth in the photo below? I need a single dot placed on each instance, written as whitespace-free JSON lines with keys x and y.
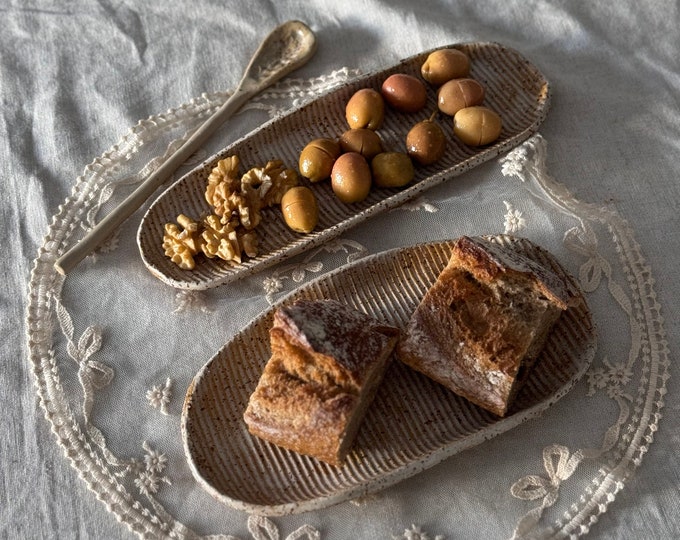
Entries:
{"x":92,"y":92}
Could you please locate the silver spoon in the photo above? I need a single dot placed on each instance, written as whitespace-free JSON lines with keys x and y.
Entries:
{"x":285,"y":49}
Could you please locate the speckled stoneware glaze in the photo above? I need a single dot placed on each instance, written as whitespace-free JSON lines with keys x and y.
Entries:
{"x":514,"y":88}
{"x":413,"y":423}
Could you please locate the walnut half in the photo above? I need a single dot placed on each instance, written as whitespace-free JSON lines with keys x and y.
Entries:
{"x":181,"y":245}
{"x":222,"y":182}
{"x":237,"y":203}
{"x":258,"y":188}
{"x":212,"y":237}
{"x":227,"y":240}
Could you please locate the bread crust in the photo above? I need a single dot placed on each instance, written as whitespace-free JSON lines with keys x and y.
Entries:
{"x":326,"y":364}
{"x":482,"y":324}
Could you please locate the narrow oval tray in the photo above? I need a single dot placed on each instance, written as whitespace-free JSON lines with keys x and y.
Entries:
{"x":413,"y":423}
{"x":514,"y":88}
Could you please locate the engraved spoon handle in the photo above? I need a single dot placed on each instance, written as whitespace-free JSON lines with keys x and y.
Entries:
{"x":285,"y":49}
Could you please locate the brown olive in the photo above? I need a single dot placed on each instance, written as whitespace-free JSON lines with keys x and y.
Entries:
{"x":365,"y":109}
{"x":404,"y":92}
{"x":457,"y":94}
{"x":317,"y":158}
{"x":477,"y":126}
{"x":300,"y":209}
{"x":351,"y":178}
{"x":445,"y":64}
{"x":364,"y":141}
{"x":425,"y":142}
{"x":392,"y":169}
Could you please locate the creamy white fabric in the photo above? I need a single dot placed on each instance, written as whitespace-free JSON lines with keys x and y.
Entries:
{"x":77,"y":76}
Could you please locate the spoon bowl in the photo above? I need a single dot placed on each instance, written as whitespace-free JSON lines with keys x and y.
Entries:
{"x":285,"y":49}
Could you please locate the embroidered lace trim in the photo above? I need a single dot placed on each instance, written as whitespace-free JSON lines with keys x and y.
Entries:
{"x":636,"y":384}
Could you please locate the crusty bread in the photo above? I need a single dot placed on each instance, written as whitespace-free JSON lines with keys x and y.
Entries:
{"x":480,"y":327}
{"x":326,"y":364}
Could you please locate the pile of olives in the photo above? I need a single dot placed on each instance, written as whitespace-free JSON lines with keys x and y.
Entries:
{"x":461,"y":97}
{"x":357,"y":160}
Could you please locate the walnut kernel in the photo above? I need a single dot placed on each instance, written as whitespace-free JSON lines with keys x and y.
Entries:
{"x":237,"y":204}
{"x":182,"y":245}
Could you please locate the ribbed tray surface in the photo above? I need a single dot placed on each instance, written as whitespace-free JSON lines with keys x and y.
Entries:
{"x":514,"y":88}
{"x":413,"y":423}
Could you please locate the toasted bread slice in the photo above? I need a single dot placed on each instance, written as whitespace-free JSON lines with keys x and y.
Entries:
{"x":326,"y":365}
{"x":483,"y":323}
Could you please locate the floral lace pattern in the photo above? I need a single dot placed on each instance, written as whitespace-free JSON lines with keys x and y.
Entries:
{"x":416,"y":533}
{"x":159,"y":396}
{"x":274,"y":282}
{"x":514,"y":220}
{"x":635,"y":382}
{"x":639,"y":415}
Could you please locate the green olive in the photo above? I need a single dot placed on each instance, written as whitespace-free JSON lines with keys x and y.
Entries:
{"x":300,"y":209}
{"x":457,"y":94}
{"x":365,"y":109}
{"x":392,"y":169}
{"x":477,"y":126}
{"x":445,"y":64}
{"x":404,"y":92}
{"x":317,"y":158}
{"x":425,"y":142}
{"x":362,"y":140}
{"x":351,"y":178}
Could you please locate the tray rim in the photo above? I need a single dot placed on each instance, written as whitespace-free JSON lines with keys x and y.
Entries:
{"x":407,"y":470}
{"x":402,"y":196}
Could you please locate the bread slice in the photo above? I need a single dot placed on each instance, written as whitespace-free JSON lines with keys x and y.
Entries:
{"x":483,"y":323}
{"x":326,"y":364}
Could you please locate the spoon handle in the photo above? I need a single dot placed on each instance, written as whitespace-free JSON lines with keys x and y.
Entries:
{"x":100,"y":232}
{"x":250,"y":85}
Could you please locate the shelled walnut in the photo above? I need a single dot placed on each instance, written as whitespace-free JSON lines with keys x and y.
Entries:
{"x":227,"y":240}
{"x":258,"y":188}
{"x":237,"y":203}
{"x":270,"y":181}
{"x":222,"y":183}
{"x":182,"y":245}
{"x":212,"y":237}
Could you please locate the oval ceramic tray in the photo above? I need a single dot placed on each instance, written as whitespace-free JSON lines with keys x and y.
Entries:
{"x":514,"y":88}
{"x":413,"y":423}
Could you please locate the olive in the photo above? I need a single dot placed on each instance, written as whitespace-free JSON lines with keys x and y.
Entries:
{"x":392,"y":169}
{"x":300,"y":209}
{"x":404,"y":92}
{"x":425,"y":142}
{"x":477,"y":126}
{"x":457,"y":94}
{"x":445,"y":64}
{"x":364,"y":141}
{"x":317,"y":158}
{"x":351,"y":177}
{"x":365,"y":109}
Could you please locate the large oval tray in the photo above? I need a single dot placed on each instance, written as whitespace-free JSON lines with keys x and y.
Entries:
{"x":413,"y":423}
{"x":514,"y":88}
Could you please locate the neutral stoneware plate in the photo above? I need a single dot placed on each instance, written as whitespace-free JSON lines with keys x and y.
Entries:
{"x":514,"y":88}
{"x":413,"y":423}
